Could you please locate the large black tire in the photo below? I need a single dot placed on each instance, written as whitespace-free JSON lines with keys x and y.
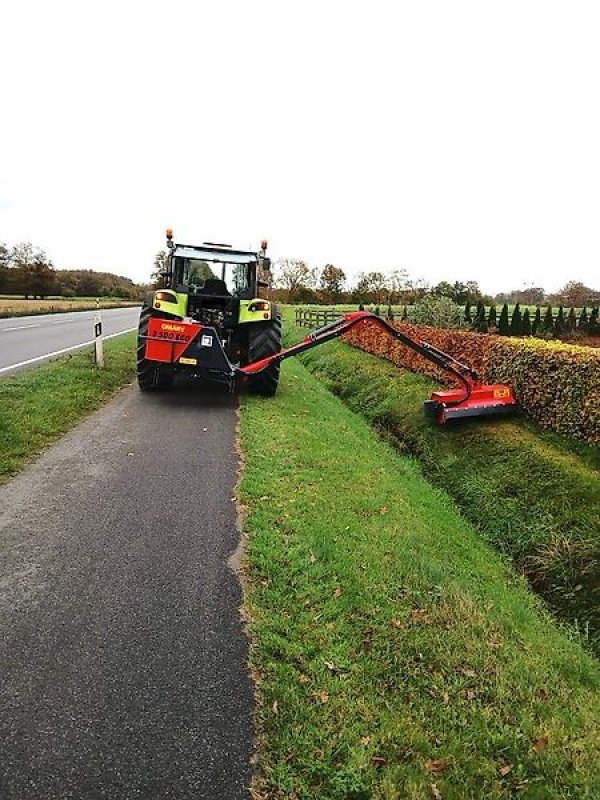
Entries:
{"x":265,"y":340}
{"x":150,"y":375}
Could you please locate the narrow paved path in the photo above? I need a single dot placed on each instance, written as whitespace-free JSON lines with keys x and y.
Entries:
{"x":26,"y":340}
{"x":122,"y":658}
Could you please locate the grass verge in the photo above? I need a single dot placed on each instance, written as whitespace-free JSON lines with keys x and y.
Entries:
{"x":41,"y":403}
{"x":397,"y":655}
{"x":533,"y":495}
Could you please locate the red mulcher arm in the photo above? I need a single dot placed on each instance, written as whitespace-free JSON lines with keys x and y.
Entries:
{"x":473,"y":399}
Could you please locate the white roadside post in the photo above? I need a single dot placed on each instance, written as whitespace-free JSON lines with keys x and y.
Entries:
{"x":98,"y":342}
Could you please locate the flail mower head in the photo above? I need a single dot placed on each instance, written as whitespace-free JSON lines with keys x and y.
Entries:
{"x":482,"y":400}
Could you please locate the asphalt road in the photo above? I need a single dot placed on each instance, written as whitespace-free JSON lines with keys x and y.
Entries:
{"x":122,"y":655}
{"x":26,"y":340}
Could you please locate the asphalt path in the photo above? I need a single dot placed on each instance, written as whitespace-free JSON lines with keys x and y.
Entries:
{"x":28,"y":340}
{"x":122,"y":654}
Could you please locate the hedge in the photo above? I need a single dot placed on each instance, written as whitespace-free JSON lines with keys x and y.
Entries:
{"x":556,"y":384}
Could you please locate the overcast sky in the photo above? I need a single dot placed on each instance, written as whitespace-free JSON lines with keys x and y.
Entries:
{"x":458,"y":140}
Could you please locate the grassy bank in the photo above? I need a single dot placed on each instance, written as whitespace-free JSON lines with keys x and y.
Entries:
{"x":397,"y":655}
{"x":41,"y":403}
{"x":534,"y":495}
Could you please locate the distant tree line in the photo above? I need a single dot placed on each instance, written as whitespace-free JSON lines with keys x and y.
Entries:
{"x":297,"y":282}
{"x":26,"y":270}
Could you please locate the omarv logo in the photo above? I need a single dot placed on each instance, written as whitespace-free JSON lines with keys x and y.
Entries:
{"x":169,"y":326}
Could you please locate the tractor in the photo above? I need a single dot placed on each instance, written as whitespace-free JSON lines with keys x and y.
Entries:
{"x":211,"y":315}
{"x":211,"y":321}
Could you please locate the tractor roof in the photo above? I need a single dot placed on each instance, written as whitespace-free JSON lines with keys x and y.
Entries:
{"x":208,"y":253}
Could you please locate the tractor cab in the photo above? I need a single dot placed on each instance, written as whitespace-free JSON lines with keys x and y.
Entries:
{"x":213,"y":283}
{"x":213,"y":289}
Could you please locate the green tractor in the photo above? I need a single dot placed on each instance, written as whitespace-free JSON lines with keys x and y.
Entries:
{"x":211,"y":318}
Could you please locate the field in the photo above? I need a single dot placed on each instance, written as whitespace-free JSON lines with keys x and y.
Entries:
{"x":18,"y":307}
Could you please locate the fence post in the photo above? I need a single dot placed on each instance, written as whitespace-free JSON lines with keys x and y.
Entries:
{"x":98,"y":342}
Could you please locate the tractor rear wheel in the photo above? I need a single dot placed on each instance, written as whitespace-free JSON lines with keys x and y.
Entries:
{"x":265,"y":340}
{"x":150,"y":374}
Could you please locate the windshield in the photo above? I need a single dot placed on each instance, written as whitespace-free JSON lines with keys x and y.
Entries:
{"x":212,"y":277}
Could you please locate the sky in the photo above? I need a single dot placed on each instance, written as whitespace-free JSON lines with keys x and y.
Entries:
{"x":457,"y":140}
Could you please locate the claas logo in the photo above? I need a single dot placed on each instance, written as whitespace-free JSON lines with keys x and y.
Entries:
{"x":169,"y":326}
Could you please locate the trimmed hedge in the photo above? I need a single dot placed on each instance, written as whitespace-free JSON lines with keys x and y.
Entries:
{"x":556,"y":384}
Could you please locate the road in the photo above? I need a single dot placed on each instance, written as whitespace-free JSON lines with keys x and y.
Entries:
{"x":121,"y":647}
{"x":27,"y":340}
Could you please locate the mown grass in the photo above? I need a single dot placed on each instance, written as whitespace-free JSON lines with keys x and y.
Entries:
{"x":43,"y":402}
{"x":397,"y":655}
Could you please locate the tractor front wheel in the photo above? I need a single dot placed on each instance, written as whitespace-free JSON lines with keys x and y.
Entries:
{"x":265,"y":340}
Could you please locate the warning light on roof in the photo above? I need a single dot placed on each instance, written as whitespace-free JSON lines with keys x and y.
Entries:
{"x":263,"y":245}
{"x":169,"y":233}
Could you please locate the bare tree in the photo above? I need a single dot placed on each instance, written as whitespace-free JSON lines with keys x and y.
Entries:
{"x":575,"y":293}
{"x":293,"y":274}
{"x":397,"y":281}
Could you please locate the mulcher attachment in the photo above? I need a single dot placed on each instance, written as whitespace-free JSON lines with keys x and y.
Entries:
{"x":472,"y":399}
{"x":483,"y":401}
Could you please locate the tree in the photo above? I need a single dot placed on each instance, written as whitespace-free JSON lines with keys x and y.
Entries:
{"x":575,"y":293}
{"x":571,"y":323}
{"x":526,"y":324}
{"x":161,"y":263}
{"x":480,"y":322}
{"x":503,"y":324}
{"x":397,"y":283}
{"x":293,"y":274}
{"x":332,"y":281}
{"x":379,"y":285}
{"x":439,"y":312}
{"x":25,"y":259}
{"x":593,"y":326}
{"x":473,"y":291}
{"x":372,"y":287}
{"x":467,"y":315}
{"x":532,"y":295}
{"x":559,"y":324}
{"x":548,"y":324}
{"x":459,"y":292}
{"x":583,"y":320}
{"x":4,"y":268}
{"x":492,"y":318}
{"x":443,"y":289}
{"x":516,"y":321}
{"x":42,"y":278}
{"x":537,"y":322}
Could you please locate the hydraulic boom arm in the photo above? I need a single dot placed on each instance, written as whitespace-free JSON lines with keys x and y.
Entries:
{"x":473,"y":399}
